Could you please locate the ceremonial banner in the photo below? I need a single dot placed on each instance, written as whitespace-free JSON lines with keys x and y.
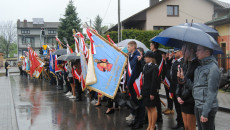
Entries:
{"x":52,"y":64}
{"x":83,"y":61}
{"x":34,"y":63}
{"x":109,"y":64}
{"x":57,"y":69}
{"x":27,"y":64}
{"x":38,"y":71}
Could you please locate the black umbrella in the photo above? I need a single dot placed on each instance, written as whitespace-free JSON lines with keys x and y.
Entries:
{"x":72,"y":56}
{"x":176,"y":36}
{"x":62,"y":57}
{"x":204,"y":28}
{"x":60,"y":52}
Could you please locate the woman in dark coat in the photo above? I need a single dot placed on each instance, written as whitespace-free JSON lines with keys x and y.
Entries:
{"x":184,"y":90}
{"x":151,"y":82}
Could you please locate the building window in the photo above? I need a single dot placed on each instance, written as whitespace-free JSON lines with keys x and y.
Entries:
{"x":172,"y":10}
{"x":28,"y":40}
{"x":25,"y":31}
{"x":51,"y":31}
{"x":50,"y":40}
{"x":160,"y":27}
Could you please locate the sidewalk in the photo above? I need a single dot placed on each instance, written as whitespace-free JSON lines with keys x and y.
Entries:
{"x":11,"y":70}
{"x":8,"y":119}
{"x":223,"y":99}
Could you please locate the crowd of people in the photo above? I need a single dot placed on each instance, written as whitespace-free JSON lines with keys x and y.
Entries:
{"x":190,"y":77}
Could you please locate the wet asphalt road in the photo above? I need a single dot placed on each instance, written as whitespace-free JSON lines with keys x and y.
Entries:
{"x":42,"y":107}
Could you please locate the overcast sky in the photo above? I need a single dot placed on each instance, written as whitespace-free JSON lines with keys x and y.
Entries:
{"x":52,"y":10}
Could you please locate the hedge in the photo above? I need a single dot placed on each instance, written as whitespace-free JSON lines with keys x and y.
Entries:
{"x":140,"y":35}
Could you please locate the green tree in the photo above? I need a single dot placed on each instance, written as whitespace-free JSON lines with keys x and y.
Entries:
{"x":7,"y":36}
{"x":98,"y":24}
{"x":13,"y":49}
{"x":69,"y":22}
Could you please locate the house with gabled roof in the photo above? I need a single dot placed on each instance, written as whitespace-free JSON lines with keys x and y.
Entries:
{"x":162,"y":14}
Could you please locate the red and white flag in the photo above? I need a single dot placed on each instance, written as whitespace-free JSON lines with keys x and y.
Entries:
{"x":76,"y":45}
{"x":82,"y":45}
{"x":90,"y":35}
{"x":57,"y":69}
{"x":110,"y":40}
{"x":69,"y":49}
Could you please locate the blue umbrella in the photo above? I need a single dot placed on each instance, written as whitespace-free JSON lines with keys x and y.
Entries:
{"x":204,"y":28}
{"x":176,"y":36}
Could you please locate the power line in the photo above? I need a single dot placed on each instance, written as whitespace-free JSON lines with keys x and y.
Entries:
{"x":107,"y":10}
{"x":191,"y":15}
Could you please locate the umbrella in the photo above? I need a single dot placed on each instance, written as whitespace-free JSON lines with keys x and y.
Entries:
{"x":176,"y":36}
{"x":163,"y":50}
{"x":124,"y":43}
{"x":72,"y":56}
{"x":62,"y":57}
{"x":60,"y":52}
{"x":204,"y":28}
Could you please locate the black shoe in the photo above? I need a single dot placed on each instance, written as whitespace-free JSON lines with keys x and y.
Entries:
{"x":160,"y":120}
{"x":131,"y":124}
{"x":177,"y":126}
{"x":78,"y":99}
{"x":97,"y":105}
{"x":137,"y":126}
{"x":110,"y":112}
{"x":66,"y":91}
{"x":60,"y":88}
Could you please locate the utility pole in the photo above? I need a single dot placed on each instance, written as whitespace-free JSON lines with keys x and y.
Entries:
{"x":119,"y":25}
{"x":90,"y":23}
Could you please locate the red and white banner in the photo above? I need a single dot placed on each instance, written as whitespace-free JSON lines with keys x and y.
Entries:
{"x":138,"y":82}
{"x":160,"y":67}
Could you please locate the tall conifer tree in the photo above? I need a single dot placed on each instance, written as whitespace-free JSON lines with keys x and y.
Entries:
{"x":69,"y":22}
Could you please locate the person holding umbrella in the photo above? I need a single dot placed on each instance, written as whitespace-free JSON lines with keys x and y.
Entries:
{"x":205,"y":88}
{"x":184,"y":90}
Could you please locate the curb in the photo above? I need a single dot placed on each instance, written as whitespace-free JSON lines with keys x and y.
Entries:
{"x":13,"y":111}
{"x":222,"y":109}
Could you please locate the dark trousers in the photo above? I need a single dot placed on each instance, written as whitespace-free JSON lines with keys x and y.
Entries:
{"x":210,"y":124}
{"x":68,"y":87}
{"x":20,"y":68}
{"x":158,"y":104}
{"x":52,"y":79}
{"x":6,"y":72}
{"x":78,"y":88}
{"x":60,"y":79}
{"x":169,"y":100}
{"x":178,"y":111}
{"x":140,"y":113}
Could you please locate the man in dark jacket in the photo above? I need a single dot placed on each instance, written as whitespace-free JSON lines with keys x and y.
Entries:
{"x":173,"y":84}
{"x":162,"y":70}
{"x":205,"y":89}
{"x":6,"y":67}
{"x":135,"y":67}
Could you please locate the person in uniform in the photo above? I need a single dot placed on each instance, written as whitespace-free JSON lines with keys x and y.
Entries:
{"x":149,"y":89}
